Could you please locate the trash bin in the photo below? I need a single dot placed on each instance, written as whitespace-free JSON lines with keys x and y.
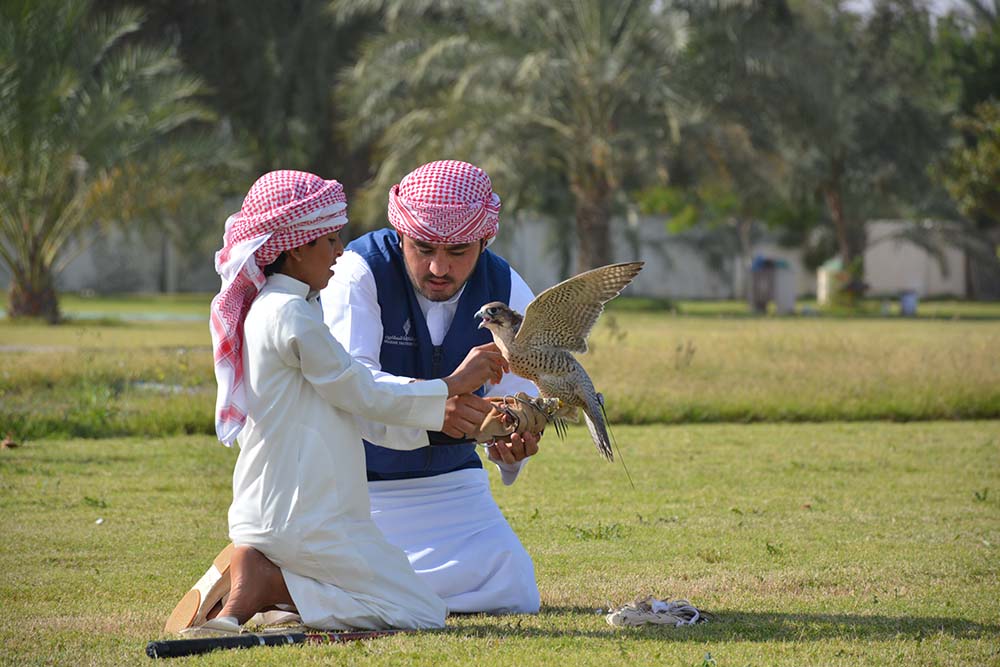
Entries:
{"x":761,"y":283}
{"x":771,"y":280}
{"x":908,"y":303}
{"x":784,"y":288}
{"x":826,"y":280}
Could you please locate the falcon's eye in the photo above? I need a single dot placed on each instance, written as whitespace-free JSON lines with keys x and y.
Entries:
{"x":491,"y":311}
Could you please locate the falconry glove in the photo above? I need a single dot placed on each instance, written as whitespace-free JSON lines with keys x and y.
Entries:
{"x":519,"y":414}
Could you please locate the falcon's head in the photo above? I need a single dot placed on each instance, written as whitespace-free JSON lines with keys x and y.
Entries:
{"x":499,"y":319}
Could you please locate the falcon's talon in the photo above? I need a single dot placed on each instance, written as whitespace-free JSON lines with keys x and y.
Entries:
{"x":511,"y":416}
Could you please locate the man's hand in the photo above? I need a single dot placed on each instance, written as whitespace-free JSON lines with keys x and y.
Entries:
{"x":519,"y":448}
{"x":463,"y":415}
{"x":483,"y":364}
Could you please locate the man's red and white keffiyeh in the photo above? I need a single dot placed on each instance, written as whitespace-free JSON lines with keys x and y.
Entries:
{"x":445,"y":202}
{"x":283,"y":210}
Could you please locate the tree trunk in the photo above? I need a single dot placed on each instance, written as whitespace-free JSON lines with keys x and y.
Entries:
{"x":851,"y":240}
{"x":835,"y":206}
{"x":743,"y":228}
{"x":34,"y":298}
{"x":982,"y":274}
{"x":167,"y":274}
{"x":593,"y":228}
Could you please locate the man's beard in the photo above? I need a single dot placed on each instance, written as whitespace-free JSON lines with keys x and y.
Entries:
{"x":421,"y":292}
{"x":438,"y":296}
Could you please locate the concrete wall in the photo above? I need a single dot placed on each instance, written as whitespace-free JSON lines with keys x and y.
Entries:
{"x":893,"y":266}
{"x":126,"y":262}
{"x":674,"y":269}
{"x":122,"y":262}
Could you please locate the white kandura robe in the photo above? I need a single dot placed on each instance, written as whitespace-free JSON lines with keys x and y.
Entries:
{"x":449,"y":525}
{"x":300,"y":493}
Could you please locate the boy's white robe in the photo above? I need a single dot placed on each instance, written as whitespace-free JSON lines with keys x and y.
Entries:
{"x":300,"y":493}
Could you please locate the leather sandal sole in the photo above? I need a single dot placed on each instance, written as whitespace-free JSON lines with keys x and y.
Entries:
{"x":213,"y":586}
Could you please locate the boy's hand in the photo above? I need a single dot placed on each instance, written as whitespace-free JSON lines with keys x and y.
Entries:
{"x":463,"y":415}
{"x":483,"y":364}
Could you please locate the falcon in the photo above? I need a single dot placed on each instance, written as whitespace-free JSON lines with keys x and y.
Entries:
{"x":539,"y":345}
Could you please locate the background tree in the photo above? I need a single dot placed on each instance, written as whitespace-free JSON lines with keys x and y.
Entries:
{"x":969,"y":40}
{"x":270,"y":69}
{"x":571,"y":95}
{"x":724,"y":193}
{"x":972,"y":173}
{"x":83,"y":113}
{"x":970,"y":45}
{"x":855,"y":104}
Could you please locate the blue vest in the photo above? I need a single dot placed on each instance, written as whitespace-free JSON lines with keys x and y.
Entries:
{"x":407,"y":349}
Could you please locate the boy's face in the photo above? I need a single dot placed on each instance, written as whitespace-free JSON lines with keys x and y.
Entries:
{"x":438,"y":270}
{"x":313,"y":264}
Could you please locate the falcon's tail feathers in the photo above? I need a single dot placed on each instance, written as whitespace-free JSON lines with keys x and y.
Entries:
{"x":598,"y":429}
{"x":614,"y":441}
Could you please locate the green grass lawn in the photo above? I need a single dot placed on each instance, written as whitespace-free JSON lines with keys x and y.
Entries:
{"x":195,"y":305}
{"x":181,"y":305}
{"x":812,"y":544}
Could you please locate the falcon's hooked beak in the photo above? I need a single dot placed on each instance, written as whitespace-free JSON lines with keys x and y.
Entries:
{"x":484,"y":317}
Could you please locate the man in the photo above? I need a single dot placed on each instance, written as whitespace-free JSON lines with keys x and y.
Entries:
{"x":403,"y":302}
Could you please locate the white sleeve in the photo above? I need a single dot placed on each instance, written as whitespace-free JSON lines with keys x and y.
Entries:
{"x":354,"y":317}
{"x":305,"y":341}
{"x":520,"y":296}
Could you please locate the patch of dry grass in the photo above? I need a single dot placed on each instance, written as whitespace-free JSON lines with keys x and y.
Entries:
{"x":154,"y":379}
{"x":659,"y":368}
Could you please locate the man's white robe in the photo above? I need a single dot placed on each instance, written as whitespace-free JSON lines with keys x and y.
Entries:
{"x":449,"y":525}
{"x":300,"y":493}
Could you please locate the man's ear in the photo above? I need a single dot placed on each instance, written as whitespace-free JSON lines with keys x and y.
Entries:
{"x":295,"y":253}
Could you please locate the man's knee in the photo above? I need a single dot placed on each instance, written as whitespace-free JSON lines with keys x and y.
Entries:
{"x":529,"y":601}
{"x":520,"y":595}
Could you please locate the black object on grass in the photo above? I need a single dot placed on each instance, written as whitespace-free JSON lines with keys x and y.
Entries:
{"x":175,"y":648}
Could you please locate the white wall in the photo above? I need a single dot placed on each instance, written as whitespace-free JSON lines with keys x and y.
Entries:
{"x":893,"y":266}
{"x":673,"y":268}
{"x":121,"y":262}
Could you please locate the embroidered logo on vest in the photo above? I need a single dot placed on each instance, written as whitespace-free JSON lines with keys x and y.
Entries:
{"x":406,"y":340}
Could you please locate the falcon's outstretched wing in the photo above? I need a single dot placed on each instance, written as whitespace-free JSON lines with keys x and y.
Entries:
{"x":563,"y":315}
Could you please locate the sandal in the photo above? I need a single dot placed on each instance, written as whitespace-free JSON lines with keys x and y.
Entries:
{"x":210,"y":590}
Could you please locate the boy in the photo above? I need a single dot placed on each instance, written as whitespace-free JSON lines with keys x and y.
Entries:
{"x":300,"y":516}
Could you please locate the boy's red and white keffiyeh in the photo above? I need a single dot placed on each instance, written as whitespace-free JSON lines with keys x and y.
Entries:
{"x":283,"y":210}
{"x":445,"y":202}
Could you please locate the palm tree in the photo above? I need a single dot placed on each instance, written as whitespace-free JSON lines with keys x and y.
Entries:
{"x":93,"y":130}
{"x":270,"y":67}
{"x":544,"y":94}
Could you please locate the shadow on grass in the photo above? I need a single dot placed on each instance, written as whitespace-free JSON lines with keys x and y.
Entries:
{"x":736,"y":626}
